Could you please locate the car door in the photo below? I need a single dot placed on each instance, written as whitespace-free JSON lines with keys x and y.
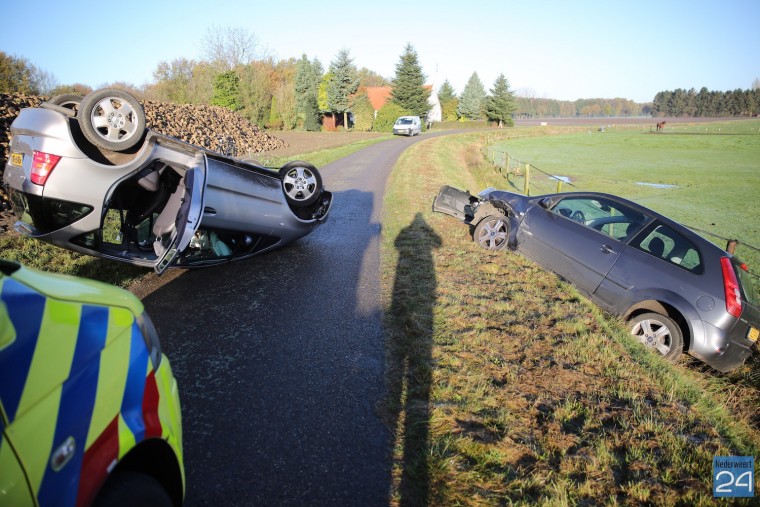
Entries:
{"x":660,"y":263}
{"x":190,"y":203}
{"x":557,"y":235}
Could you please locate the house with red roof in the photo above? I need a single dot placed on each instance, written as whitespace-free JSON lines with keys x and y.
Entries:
{"x":378,"y":97}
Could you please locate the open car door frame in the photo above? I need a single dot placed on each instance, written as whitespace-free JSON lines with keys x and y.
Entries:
{"x":188,"y":217}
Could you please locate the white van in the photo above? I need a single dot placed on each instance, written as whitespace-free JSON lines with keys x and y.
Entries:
{"x":408,"y":125}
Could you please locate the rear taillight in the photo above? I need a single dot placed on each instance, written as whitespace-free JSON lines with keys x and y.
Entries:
{"x":42,"y":165}
{"x":731,"y":286}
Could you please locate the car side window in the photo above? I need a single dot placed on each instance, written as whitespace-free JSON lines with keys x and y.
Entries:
{"x":671,"y":246}
{"x":611,"y":218}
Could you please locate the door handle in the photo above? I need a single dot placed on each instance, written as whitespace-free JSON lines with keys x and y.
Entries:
{"x":208,"y":210}
{"x":608,"y":249}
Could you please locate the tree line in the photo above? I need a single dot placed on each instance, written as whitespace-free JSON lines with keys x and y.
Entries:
{"x":532,"y":107}
{"x":298,"y":93}
{"x":285,"y":94}
{"x":707,"y":103}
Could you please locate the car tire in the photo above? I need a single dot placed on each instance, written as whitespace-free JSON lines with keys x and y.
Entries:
{"x":112,"y":119}
{"x":659,"y":332}
{"x":301,"y":183}
{"x":126,"y":489}
{"x":492,"y":233}
{"x":67,"y":100}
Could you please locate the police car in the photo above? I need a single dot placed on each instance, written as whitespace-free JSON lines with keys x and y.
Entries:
{"x":89,"y":408}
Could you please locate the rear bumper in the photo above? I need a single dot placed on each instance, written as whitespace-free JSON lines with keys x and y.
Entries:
{"x":722,"y":350}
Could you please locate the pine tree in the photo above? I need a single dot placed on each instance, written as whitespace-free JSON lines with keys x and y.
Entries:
{"x":446,"y":92}
{"x":409,"y":90}
{"x":227,"y":91}
{"x":471,"y":101}
{"x":343,"y":83}
{"x":500,"y":104}
{"x":313,"y":119}
{"x":308,"y":77}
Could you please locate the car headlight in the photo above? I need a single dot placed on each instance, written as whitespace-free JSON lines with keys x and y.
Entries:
{"x":151,"y":338}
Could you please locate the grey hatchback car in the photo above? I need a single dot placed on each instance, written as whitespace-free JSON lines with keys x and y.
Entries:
{"x":677,"y":291}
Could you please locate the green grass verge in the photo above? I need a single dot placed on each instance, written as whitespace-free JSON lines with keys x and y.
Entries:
{"x":507,"y":387}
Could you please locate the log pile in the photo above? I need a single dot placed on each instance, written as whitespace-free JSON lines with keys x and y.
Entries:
{"x":208,"y":127}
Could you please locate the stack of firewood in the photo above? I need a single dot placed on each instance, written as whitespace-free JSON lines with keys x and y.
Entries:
{"x":210,"y":127}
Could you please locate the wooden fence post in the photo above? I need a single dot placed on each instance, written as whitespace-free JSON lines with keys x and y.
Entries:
{"x":526,"y":191}
{"x":731,"y":246}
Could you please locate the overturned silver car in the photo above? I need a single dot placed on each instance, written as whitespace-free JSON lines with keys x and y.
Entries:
{"x":89,"y":176}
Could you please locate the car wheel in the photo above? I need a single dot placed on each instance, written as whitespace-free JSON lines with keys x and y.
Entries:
{"x":659,"y":332}
{"x":67,"y":100}
{"x":112,"y":119}
{"x":126,"y":489}
{"x":492,"y":233}
{"x":301,"y":183}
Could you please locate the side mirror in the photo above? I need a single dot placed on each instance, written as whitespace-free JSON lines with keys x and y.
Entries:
{"x":545,"y":203}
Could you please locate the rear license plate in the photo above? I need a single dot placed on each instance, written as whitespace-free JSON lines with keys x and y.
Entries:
{"x":17,"y":159}
{"x":753,"y":334}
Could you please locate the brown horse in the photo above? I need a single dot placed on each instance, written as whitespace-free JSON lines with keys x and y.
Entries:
{"x":661,"y":125}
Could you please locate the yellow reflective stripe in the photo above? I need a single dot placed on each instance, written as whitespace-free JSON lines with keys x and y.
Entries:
{"x":169,"y":411}
{"x":112,"y":376}
{"x":119,"y":319}
{"x":33,"y":434}
{"x":126,"y":438}
{"x":52,"y":358}
{"x":34,"y":427}
{"x":7,"y":331}
{"x":14,"y":489}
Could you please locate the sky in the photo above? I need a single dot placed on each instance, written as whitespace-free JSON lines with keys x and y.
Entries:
{"x":565,"y":50}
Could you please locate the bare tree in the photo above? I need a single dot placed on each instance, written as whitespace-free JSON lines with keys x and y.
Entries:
{"x":229,"y":47}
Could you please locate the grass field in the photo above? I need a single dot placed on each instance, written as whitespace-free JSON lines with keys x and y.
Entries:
{"x":506,"y":387}
{"x":706,"y":176}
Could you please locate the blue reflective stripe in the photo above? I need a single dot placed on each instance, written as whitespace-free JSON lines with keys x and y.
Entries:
{"x":93,"y":327}
{"x":131,"y":405}
{"x":25,"y":310}
{"x":77,"y":404}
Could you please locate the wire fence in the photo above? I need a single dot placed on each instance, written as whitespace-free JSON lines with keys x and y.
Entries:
{"x":528,"y":179}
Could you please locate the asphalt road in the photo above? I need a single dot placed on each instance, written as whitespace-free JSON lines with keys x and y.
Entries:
{"x":280,"y":359}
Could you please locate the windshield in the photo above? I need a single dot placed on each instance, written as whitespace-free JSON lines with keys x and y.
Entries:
{"x":404,"y":121}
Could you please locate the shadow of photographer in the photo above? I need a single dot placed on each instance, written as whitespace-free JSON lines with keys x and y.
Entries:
{"x":409,"y":368}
